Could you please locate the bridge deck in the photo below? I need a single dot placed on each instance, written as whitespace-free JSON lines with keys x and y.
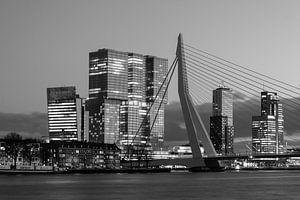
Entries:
{"x":207,"y":161}
{"x":233,"y":157}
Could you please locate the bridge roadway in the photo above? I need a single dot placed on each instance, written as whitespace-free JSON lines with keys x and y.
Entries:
{"x":248,"y":156}
{"x":194,"y":162}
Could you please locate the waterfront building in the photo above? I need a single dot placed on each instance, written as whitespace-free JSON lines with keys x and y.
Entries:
{"x":58,"y":155}
{"x":267,"y":129}
{"x":221,"y":123}
{"x":122,"y":86}
{"x":80,"y":155}
{"x":3,"y":155}
{"x":67,"y":116}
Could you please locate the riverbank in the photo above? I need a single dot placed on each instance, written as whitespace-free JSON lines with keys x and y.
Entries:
{"x":85,"y":171}
{"x":269,"y":168}
{"x":137,"y":170}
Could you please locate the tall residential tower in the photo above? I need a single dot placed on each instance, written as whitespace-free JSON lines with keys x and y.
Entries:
{"x":221,"y":123}
{"x":267,"y":129}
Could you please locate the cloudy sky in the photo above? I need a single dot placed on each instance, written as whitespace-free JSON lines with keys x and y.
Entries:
{"x":46,"y":43}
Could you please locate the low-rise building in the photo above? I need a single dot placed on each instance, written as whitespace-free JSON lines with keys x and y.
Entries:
{"x":59,"y":155}
{"x":81,"y":155}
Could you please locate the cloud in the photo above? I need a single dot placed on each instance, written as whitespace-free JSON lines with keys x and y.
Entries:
{"x":292,"y":138}
{"x":35,"y":124}
{"x":238,"y":96}
{"x":174,"y":123}
{"x":28,"y":125}
{"x":243,"y":112}
{"x":182,"y":125}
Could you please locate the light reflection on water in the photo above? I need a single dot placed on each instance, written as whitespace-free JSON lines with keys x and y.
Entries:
{"x":221,"y":185}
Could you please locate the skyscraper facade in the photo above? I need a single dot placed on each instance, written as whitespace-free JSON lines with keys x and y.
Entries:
{"x":221,"y":123}
{"x":67,"y":117}
{"x":135,"y":109}
{"x":108,"y":77}
{"x":267,"y":129}
{"x":135,"y":79}
{"x":156,"y":74}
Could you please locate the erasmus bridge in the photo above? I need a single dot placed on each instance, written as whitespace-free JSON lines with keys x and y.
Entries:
{"x":199,"y":73}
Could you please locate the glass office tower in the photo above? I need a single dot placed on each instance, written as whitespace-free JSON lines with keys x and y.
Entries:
{"x":136,"y":81}
{"x":134,"y":110}
{"x":156,"y":73}
{"x":67,"y":117}
{"x":221,"y":123}
{"x":267,"y":129}
{"x":108,"y":77}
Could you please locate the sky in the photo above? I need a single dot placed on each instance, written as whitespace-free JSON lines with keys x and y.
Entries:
{"x":46,"y":43}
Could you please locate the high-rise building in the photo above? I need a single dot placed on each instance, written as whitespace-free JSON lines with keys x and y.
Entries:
{"x":83,"y":120}
{"x":67,"y":117}
{"x":134,"y":110}
{"x":156,"y":73}
{"x":122,"y":86}
{"x":108,"y":90}
{"x":267,"y":129}
{"x":221,"y":123}
{"x":108,"y":74}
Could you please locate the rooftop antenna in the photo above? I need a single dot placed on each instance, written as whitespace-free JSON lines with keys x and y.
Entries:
{"x":222,"y":84}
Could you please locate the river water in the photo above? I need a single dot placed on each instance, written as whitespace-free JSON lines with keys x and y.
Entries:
{"x":255,"y":185}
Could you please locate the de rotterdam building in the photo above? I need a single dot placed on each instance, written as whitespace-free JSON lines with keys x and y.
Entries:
{"x":122,"y":87}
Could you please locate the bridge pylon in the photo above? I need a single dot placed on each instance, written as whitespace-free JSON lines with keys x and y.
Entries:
{"x":194,"y":124}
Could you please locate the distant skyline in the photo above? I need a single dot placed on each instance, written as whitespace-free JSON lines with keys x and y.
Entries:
{"x":46,"y":43}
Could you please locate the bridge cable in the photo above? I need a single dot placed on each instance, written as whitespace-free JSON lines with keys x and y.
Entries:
{"x":240,"y":66}
{"x":235,"y":86}
{"x":233,"y":80}
{"x":246,"y":105}
{"x":152,"y":103}
{"x":243,"y":77}
{"x":157,"y":112}
{"x":291,"y":111}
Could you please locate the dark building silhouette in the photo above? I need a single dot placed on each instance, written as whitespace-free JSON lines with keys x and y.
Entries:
{"x":37,"y":155}
{"x":80,"y":155}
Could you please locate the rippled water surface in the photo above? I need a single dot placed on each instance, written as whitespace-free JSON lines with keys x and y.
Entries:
{"x":220,"y":185}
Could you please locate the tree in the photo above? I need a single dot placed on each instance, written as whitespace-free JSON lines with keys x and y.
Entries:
{"x":13,"y":146}
{"x":13,"y":136}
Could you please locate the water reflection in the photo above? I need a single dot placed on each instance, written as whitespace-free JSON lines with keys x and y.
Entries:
{"x":225,"y":185}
